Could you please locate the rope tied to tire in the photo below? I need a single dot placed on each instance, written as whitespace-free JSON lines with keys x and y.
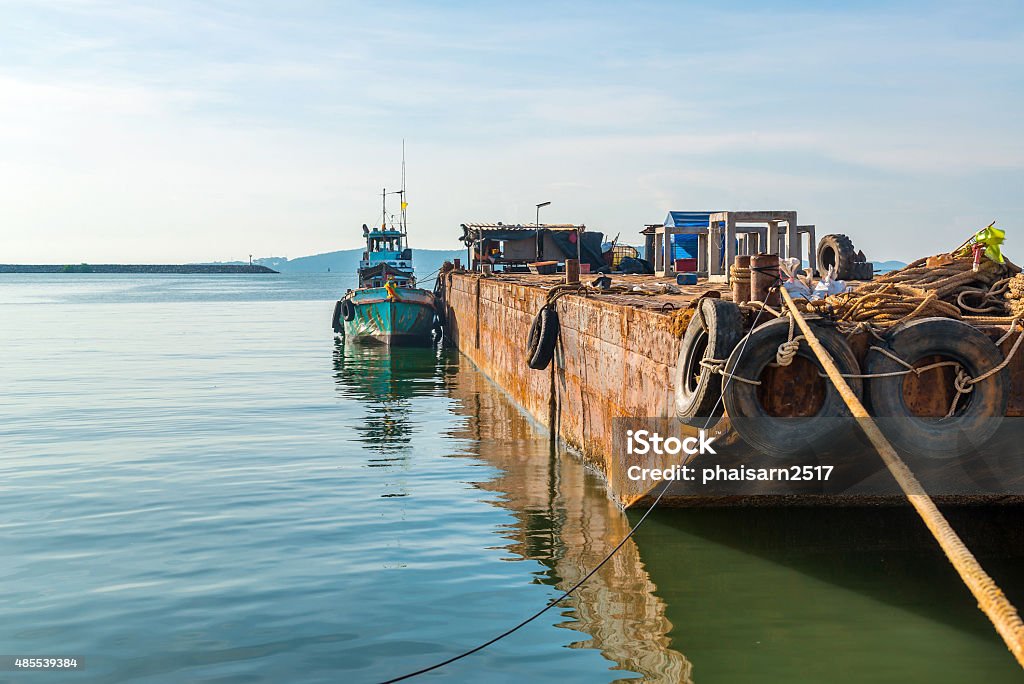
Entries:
{"x":963,"y":383}
{"x":787,"y":351}
{"x":717,"y":366}
{"x":784,"y":355}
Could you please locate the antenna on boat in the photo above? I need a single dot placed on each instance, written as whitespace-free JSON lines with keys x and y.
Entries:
{"x":404,"y":204}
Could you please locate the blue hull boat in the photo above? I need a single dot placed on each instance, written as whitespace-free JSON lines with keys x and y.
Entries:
{"x":373,"y":315}
{"x":387,"y":306}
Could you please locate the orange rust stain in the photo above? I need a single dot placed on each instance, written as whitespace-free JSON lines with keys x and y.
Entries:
{"x":612,"y":360}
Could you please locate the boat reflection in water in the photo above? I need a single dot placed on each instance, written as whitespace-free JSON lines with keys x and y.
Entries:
{"x":386,"y":382}
{"x":563,"y":519}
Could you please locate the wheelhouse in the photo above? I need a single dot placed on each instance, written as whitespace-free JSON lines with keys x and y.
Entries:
{"x":386,"y":258}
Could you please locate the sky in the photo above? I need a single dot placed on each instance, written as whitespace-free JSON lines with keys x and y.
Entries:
{"x":179,"y":131}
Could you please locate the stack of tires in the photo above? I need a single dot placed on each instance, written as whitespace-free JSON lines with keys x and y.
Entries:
{"x":837,"y":251}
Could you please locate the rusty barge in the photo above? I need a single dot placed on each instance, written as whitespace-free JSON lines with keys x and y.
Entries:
{"x":618,"y":355}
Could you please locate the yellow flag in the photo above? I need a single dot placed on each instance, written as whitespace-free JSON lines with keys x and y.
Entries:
{"x":992,"y":238}
{"x":405,"y":205}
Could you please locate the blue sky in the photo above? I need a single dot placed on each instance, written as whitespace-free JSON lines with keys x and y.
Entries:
{"x":181,"y":131}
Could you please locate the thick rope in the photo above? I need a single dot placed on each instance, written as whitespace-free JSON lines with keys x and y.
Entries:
{"x":990,"y":597}
{"x":943,"y":285}
{"x":787,"y":351}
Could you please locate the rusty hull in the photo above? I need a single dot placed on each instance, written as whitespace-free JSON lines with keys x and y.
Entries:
{"x":615,"y":358}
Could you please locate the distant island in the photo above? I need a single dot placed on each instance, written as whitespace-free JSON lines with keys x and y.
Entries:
{"x":134,"y":268}
{"x":346,"y":261}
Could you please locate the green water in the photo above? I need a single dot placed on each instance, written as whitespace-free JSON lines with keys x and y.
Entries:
{"x":199,"y":484}
{"x":799,"y":595}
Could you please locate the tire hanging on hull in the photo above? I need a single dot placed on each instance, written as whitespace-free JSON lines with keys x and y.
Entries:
{"x":540,"y":341}
{"x":713,"y":332}
{"x":348,"y":311}
{"x":336,"y":318}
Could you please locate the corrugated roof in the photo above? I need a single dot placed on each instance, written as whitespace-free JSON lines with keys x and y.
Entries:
{"x":522,"y":226}
{"x":688,"y":219}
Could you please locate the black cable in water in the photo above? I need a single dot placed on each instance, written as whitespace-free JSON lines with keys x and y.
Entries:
{"x":568,"y":592}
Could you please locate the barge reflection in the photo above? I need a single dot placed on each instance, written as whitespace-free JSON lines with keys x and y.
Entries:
{"x":566,"y":522}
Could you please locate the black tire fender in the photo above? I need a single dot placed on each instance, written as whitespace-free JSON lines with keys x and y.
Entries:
{"x":336,"y":317}
{"x":837,"y":250}
{"x":784,"y":436}
{"x":540,"y":342}
{"x":714,"y":330}
{"x":348,"y":311}
{"x":978,"y":414}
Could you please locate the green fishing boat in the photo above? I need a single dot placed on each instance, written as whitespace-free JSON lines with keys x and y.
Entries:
{"x":387,"y":307}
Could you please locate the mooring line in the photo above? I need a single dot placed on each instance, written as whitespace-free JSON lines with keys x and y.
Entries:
{"x":568,"y":592}
{"x":990,"y":597}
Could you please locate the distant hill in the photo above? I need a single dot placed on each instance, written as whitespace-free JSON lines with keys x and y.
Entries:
{"x":880,"y":266}
{"x":347,"y":261}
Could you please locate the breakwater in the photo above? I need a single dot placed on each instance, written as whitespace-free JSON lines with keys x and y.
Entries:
{"x":134,"y":268}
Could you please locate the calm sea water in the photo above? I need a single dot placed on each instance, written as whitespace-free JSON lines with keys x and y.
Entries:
{"x":199,"y":484}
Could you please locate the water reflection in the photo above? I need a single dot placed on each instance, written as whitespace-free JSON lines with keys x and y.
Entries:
{"x":385,"y":384}
{"x":566,"y":522}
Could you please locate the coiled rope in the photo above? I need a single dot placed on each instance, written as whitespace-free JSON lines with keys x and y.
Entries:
{"x":990,"y":597}
{"x":943,"y":285}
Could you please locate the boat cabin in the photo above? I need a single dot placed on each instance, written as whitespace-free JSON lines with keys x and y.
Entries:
{"x":386,"y":257}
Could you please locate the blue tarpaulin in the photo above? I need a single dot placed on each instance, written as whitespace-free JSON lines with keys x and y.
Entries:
{"x":688,"y":219}
{"x":684,"y":246}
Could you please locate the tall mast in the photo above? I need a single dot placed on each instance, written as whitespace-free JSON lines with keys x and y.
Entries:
{"x":404,"y":204}
{"x":383,"y":208}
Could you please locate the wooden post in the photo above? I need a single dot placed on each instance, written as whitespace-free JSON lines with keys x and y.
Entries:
{"x":458,"y":264}
{"x":572,"y":271}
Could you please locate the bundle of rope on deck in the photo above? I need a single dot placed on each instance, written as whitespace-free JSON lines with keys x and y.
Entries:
{"x":1015,"y":294}
{"x":883,"y":307}
{"x":945,"y":285}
